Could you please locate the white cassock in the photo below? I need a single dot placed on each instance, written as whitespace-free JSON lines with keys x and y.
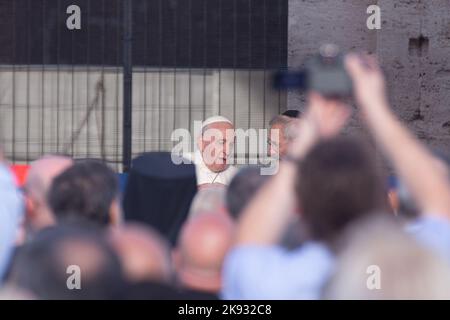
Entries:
{"x":206,"y":176}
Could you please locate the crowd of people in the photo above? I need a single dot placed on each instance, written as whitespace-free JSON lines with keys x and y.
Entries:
{"x":326,"y":226}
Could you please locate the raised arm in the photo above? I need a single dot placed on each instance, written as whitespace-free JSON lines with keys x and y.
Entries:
{"x":266,"y":217}
{"x":412,"y":161}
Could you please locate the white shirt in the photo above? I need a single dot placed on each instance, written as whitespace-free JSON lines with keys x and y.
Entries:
{"x":206,"y":176}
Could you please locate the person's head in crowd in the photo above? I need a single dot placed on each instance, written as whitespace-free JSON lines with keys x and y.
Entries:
{"x":216,"y":143}
{"x":38,"y":182}
{"x":292,"y":113}
{"x":282,"y":132}
{"x":202,"y":247}
{"x":87,"y":192}
{"x":337,"y":183}
{"x":380,"y":261}
{"x":207,"y":200}
{"x":68,"y":262}
{"x":144,"y":254}
{"x":242,"y":188}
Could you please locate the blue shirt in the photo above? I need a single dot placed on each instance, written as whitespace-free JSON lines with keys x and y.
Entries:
{"x":271,"y":272}
{"x":258,"y":272}
{"x":11,"y":209}
{"x":434,"y":233}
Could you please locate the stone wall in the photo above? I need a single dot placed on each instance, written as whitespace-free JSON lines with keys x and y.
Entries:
{"x":413,"y":46}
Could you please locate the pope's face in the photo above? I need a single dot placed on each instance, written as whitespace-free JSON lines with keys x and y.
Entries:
{"x":216,"y":145}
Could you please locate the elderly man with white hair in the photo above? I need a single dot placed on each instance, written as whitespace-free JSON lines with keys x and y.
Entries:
{"x":212,"y":158}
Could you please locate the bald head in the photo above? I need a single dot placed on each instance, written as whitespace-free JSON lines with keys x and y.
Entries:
{"x":43,"y":171}
{"x":144,"y":254}
{"x":204,"y":242}
{"x":39,"y":179}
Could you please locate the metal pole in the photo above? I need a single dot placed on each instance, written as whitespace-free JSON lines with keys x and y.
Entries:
{"x":127,"y":83}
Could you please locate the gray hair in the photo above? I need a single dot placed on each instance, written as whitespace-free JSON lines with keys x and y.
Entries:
{"x":208,"y":200}
{"x":288,"y":124}
{"x":407,"y":270}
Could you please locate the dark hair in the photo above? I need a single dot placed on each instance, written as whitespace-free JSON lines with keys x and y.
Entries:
{"x":337,"y":184}
{"x":242,"y":188}
{"x":42,"y":266}
{"x":291,"y":113}
{"x":84,"y":193}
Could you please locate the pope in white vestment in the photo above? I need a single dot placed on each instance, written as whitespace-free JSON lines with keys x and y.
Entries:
{"x":212,"y":159}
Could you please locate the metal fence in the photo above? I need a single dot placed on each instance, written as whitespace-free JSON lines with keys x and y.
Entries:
{"x":132,"y":71}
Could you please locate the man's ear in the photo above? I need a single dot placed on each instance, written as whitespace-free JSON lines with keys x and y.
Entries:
{"x":115,"y":213}
{"x":200,"y":143}
{"x":30,"y":207}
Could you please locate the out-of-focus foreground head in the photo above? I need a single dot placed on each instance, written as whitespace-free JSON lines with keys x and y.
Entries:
{"x":39,"y":179}
{"x":61,"y":259}
{"x":380,"y":261}
{"x":208,"y":200}
{"x":87,"y":192}
{"x":204,"y":242}
{"x":13,"y":293}
{"x":144,"y":254}
{"x":216,"y":143}
{"x":242,"y":188}
{"x":338,"y":183}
